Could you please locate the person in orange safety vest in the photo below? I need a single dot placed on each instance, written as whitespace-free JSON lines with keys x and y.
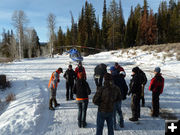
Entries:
{"x":53,"y":83}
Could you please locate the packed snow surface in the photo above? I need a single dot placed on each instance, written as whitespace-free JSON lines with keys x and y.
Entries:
{"x":29,"y":114}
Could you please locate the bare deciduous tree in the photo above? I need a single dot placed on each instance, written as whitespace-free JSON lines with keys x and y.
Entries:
{"x":19,"y":21}
{"x":51,"y":20}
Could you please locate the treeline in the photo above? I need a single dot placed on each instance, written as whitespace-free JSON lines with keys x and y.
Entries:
{"x":24,"y":44}
{"x":10,"y":45}
{"x":143,"y":27}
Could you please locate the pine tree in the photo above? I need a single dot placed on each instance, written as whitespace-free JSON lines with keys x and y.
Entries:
{"x":163,"y":23}
{"x":104,"y":27}
{"x":113,"y":25}
{"x":81,"y":29}
{"x":152,"y":30}
{"x":121,"y":26}
{"x":90,"y":20}
{"x":144,"y":25}
{"x":60,"y":40}
{"x":68,"y":40}
{"x":129,"y":40}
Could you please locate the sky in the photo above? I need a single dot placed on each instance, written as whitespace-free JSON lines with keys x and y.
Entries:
{"x":38,"y":10}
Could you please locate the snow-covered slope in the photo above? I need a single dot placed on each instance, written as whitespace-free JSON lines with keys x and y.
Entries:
{"x":29,"y":114}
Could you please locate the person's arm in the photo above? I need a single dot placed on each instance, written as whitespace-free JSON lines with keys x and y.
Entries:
{"x":162,"y":86}
{"x":74,"y":75}
{"x":84,"y":71}
{"x":56,"y":78}
{"x":74,"y":89}
{"x":145,"y":79}
{"x":151,"y":86}
{"x":88,"y":89}
{"x":65,"y":75}
{"x":97,"y":97}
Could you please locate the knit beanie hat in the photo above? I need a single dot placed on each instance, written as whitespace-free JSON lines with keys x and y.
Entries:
{"x":157,"y":69}
{"x":135,"y":70}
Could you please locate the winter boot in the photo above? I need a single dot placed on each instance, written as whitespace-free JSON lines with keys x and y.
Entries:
{"x":51,"y":108}
{"x":84,"y":124}
{"x":133,"y":119}
{"x":50,"y":104}
{"x":79,"y":124}
{"x":121,"y":124}
{"x":55,"y":103}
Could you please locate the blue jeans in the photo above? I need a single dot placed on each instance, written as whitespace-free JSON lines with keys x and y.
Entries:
{"x":82,"y":108}
{"x":117,"y":110}
{"x":101,"y":117}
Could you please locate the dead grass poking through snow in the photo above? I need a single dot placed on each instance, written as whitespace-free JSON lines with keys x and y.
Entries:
{"x":10,"y":97}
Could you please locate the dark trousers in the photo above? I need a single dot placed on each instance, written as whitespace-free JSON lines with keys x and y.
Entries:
{"x":135,"y":105}
{"x":69,"y":85}
{"x":82,"y":108}
{"x":155,"y":103}
{"x":98,"y":81}
{"x":142,"y":95}
{"x":104,"y":116}
{"x":117,"y":109}
{"x":52,"y":97}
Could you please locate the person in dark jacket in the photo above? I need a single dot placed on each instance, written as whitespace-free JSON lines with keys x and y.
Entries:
{"x":70,"y":76}
{"x":143,"y":83}
{"x":118,"y":79}
{"x":119,"y":68}
{"x":82,"y":90}
{"x":105,"y":97}
{"x":99,"y":73}
{"x":135,"y":89}
{"x":156,"y":86}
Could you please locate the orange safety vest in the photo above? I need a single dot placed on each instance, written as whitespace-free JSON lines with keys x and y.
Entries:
{"x":51,"y":81}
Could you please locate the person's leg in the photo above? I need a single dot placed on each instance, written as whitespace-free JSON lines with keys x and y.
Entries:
{"x":79,"y":113}
{"x":71,"y":90}
{"x":138,"y":106}
{"x":109,"y":121}
{"x":134,"y":108}
{"x":84,"y":110}
{"x":120,"y":115}
{"x":142,"y":96}
{"x":67,"y":90}
{"x":100,"y":123}
{"x":50,"y":104}
{"x":155,"y":104}
{"x":114,"y":115}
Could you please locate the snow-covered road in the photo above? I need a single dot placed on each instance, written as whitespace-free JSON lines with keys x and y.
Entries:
{"x":29,"y":113}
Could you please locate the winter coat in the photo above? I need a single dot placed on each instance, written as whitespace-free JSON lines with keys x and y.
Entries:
{"x":135,"y":85}
{"x":70,"y":75}
{"x":54,"y":80}
{"x":143,"y":77}
{"x":121,"y":83}
{"x":78,"y":70}
{"x":81,"y":89}
{"x":100,"y":69}
{"x":157,"y":84}
{"x":106,"y":96}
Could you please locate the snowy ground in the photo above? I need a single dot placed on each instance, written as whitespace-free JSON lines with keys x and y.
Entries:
{"x":29,"y":114}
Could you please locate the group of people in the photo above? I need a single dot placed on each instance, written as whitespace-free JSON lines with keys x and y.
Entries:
{"x":109,"y":93}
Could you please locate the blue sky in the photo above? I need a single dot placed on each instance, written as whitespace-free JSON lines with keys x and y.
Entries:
{"x":38,"y":10}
